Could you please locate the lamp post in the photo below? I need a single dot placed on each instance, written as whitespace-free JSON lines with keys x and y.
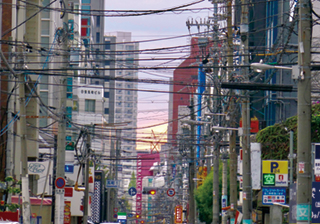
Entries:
{"x":304,"y":177}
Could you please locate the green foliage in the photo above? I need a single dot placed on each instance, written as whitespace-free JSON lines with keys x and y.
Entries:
{"x":12,"y":207}
{"x":132,"y":180}
{"x":275,"y":139}
{"x":203,"y":195}
{"x":11,"y":188}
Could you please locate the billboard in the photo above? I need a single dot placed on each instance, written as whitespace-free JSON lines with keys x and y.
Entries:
{"x":273,"y":195}
{"x":275,"y":173}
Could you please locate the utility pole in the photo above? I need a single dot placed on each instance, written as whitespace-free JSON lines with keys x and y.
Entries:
{"x":224,"y":186}
{"x":59,"y":206}
{"x":86,"y":182}
{"x":304,"y":172}
{"x":23,"y":123}
{"x":192,"y":215}
{"x":232,"y":114}
{"x":247,"y":188}
{"x":118,"y":136}
{"x":215,"y":184}
{"x":24,"y":156}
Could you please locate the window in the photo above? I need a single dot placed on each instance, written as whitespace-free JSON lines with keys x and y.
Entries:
{"x":86,"y":9}
{"x":98,"y":37}
{"x":129,"y":47}
{"x":107,"y":45}
{"x":46,"y":12}
{"x":45,"y":42}
{"x":45,"y":27}
{"x":90,"y":106}
{"x":44,"y":82}
{"x":107,"y":63}
{"x":106,"y":95}
{"x":106,"y":110}
{"x":98,"y":21}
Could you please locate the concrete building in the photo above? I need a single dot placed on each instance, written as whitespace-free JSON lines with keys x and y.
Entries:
{"x":124,"y":57}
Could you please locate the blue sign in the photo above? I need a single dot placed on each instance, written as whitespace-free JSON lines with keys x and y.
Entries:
{"x":68,"y":168}
{"x":174,"y":171}
{"x":122,"y":221}
{"x":130,"y":215}
{"x":303,"y":212}
{"x":273,"y":195}
{"x":132,"y":191}
{"x":112,"y":184}
{"x":315,"y":212}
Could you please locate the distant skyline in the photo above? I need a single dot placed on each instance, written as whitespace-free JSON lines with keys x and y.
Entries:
{"x":153,"y":107}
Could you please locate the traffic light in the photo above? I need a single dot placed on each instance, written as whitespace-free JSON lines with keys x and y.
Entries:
{"x":149,"y":190}
{"x":138,"y":216}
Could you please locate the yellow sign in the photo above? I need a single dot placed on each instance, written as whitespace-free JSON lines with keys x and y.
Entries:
{"x":275,"y":166}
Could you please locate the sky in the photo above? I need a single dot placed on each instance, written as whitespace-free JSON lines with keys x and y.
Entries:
{"x":153,"y":107}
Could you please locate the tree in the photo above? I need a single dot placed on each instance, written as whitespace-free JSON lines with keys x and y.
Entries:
{"x":275,"y":139}
{"x":203,"y":196}
{"x":132,"y":180}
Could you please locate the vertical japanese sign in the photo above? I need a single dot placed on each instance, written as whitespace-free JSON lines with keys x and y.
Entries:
{"x":317,"y":159}
{"x":178,"y":214}
{"x":139,"y":187}
{"x":315,"y":212}
{"x":67,"y":212}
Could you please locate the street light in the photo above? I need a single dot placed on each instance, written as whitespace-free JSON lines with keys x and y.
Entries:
{"x":304,"y":178}
{"x":259,"y":67}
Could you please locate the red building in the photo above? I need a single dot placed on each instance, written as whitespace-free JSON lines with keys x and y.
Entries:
{"x":185,"y":83}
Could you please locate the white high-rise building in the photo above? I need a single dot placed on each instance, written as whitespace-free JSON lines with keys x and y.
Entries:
{"x":125,"y":98}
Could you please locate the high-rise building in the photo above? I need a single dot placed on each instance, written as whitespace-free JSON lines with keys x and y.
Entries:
{"x":124,"y":58}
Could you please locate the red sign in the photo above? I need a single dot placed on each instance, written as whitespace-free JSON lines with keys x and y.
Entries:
{"x":115,"y":210}
{"x":68,"y":192}
{"x":281,"y":177}
{"x":254,"y":125}
{"x":171,"y":192}
{"x":67,"y":212}
{"x":60,"y":183}
{"x":317,"y":178}
{"x":178,"y":214}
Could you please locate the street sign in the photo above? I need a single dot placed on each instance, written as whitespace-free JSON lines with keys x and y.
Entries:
{"x":60,"y":182}
{"x":315,"y":202}
{"x":171,"y":192}
{"x":112,"y":183}
{"x":271,"y":195}
{"x":115,"y":210}
{"x":132,"y":191}
{"x":70,"y":146}
{"x":278,"y":168}
{"x":130,"y":215}
{"x":268,"y":179}
{"x":178,"y":214}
